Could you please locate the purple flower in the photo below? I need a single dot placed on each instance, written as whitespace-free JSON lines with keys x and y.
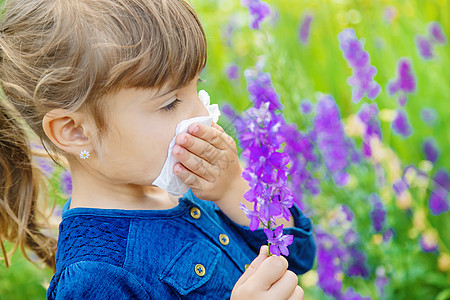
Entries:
{"x":438,"y":202}
{"x":441,"y":179}
{"x":233,"y":72}
{"x":306,"y":106}
{"x":229,"y":112}
{"x":388,"y":234}
{"x":305,"y":28}
{"x":424,"y":47}
{"x":437,"y":33}
{"x":428,"y":242}
{"x":357,"y":264}
{"x":350,"y":237}
{"x":431,"y":150}
{"x":300,"y":149}
{"x":329,"y":266}
{"x":399,"y":186}
{"x":260,"y":131}
{"x":252,"y":215}
{"x":258,"y":11}
{"x":400,"y":125}
{"x":362,"y":79}
{"x":350,"y":294}
{"x":405,"y":83}
{"x":355,"y":155}
{"x":227,"y":33}
{"x":259,"y":85}
{"x":412,"y":169}
{"x":389,"y":14}
{"x":347,"y":212}
{"x":368,"y":115}
{"x":278,"y":241}
{"x":402,"y":100}
{"x":46,"y":166}
{"x":66,"y":183}
{"x":428,"y":115}
{"x":378,"y":213}
{"x":331,"y":139}
{"x":57,"y":211}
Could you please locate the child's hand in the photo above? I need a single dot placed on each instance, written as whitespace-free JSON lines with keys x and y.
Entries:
{"x":209,"y":163}
{"x":267,"y":278}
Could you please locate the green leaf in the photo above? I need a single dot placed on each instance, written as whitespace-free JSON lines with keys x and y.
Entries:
{"x":444,"y":295}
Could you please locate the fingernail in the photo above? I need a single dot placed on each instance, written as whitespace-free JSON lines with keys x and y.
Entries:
{"x":184,"y":140}
{"x":195,"y":129}
{"x":179,"y":150}
{"x":178,"y":169}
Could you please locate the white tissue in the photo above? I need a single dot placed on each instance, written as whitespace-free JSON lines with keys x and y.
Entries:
{"x":167,"y":180}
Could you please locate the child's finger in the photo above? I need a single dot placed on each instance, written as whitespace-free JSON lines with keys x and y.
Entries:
{"x":270,"y":271}
{"x":211,"y":135}
{"x":190,"y":179}
{"x":263,"y":251}
{"x":217,"y":126}
{"x":199,"y":147}
{"x":298,"y":294}
{"x":195,"y":164}
{"x":285,"y":286}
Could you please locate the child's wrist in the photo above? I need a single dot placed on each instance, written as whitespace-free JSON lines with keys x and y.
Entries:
{"x":229,"y":202}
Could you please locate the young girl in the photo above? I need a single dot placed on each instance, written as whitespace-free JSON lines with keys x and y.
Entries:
{"x":104,"y":83}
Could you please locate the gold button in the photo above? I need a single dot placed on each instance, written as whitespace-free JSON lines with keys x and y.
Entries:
{"x":223,"y":239}
{"x":246,"y":266}
{"x":200,"y":270}
{"x":195,"y":213}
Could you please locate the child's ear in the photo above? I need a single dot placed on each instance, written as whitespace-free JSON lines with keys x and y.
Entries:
{"x":69,"y":131}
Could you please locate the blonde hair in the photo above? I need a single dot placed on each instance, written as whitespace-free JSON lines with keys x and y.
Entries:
{"x":68,"y":54}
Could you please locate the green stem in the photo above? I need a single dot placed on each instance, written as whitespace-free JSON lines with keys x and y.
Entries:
{"x":268,"y":227}
{"x":268,"y":244}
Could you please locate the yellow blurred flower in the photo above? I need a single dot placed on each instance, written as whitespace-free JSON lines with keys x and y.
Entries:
{"x":413,"y":233}
{"x":377,"y":239}
{"x":339,"y":276}
{"x":444,"y":262}
{"x":425,"y":166}
{"x":352,"y":182}
{"x":353,"y":126}
{"x":336,"y":261}
{"x":419,"y":219}
{"x":353,"y":16}
{"x":404,"y":200}
{"x":430,"y":238}
{"x":387,"y":115}
{"x":309,"y":279}
{"x":341,"y":19}
{"x":410,"y":175}
{"x":385,"y":156}
{"x":378,"y":151}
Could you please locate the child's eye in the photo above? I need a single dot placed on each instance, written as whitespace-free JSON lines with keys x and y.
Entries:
{"x":171,"y":106}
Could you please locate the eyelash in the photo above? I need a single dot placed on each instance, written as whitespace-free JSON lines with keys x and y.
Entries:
{"x":171,"y":106}
{"x":175,"y":103}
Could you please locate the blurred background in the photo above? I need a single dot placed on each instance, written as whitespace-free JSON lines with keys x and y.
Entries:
{"x":382,"y":232}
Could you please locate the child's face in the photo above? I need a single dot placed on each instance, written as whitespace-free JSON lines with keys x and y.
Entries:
{"x":140,"y":128}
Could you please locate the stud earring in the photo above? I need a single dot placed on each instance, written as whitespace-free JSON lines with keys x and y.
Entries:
{"x":84,"y":154}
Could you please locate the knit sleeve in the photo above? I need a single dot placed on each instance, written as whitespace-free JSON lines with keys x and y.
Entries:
{"x":96,"y":280}
{"x":302,"y":251}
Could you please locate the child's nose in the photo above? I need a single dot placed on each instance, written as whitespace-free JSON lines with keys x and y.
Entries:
{"x":199,"y":110}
